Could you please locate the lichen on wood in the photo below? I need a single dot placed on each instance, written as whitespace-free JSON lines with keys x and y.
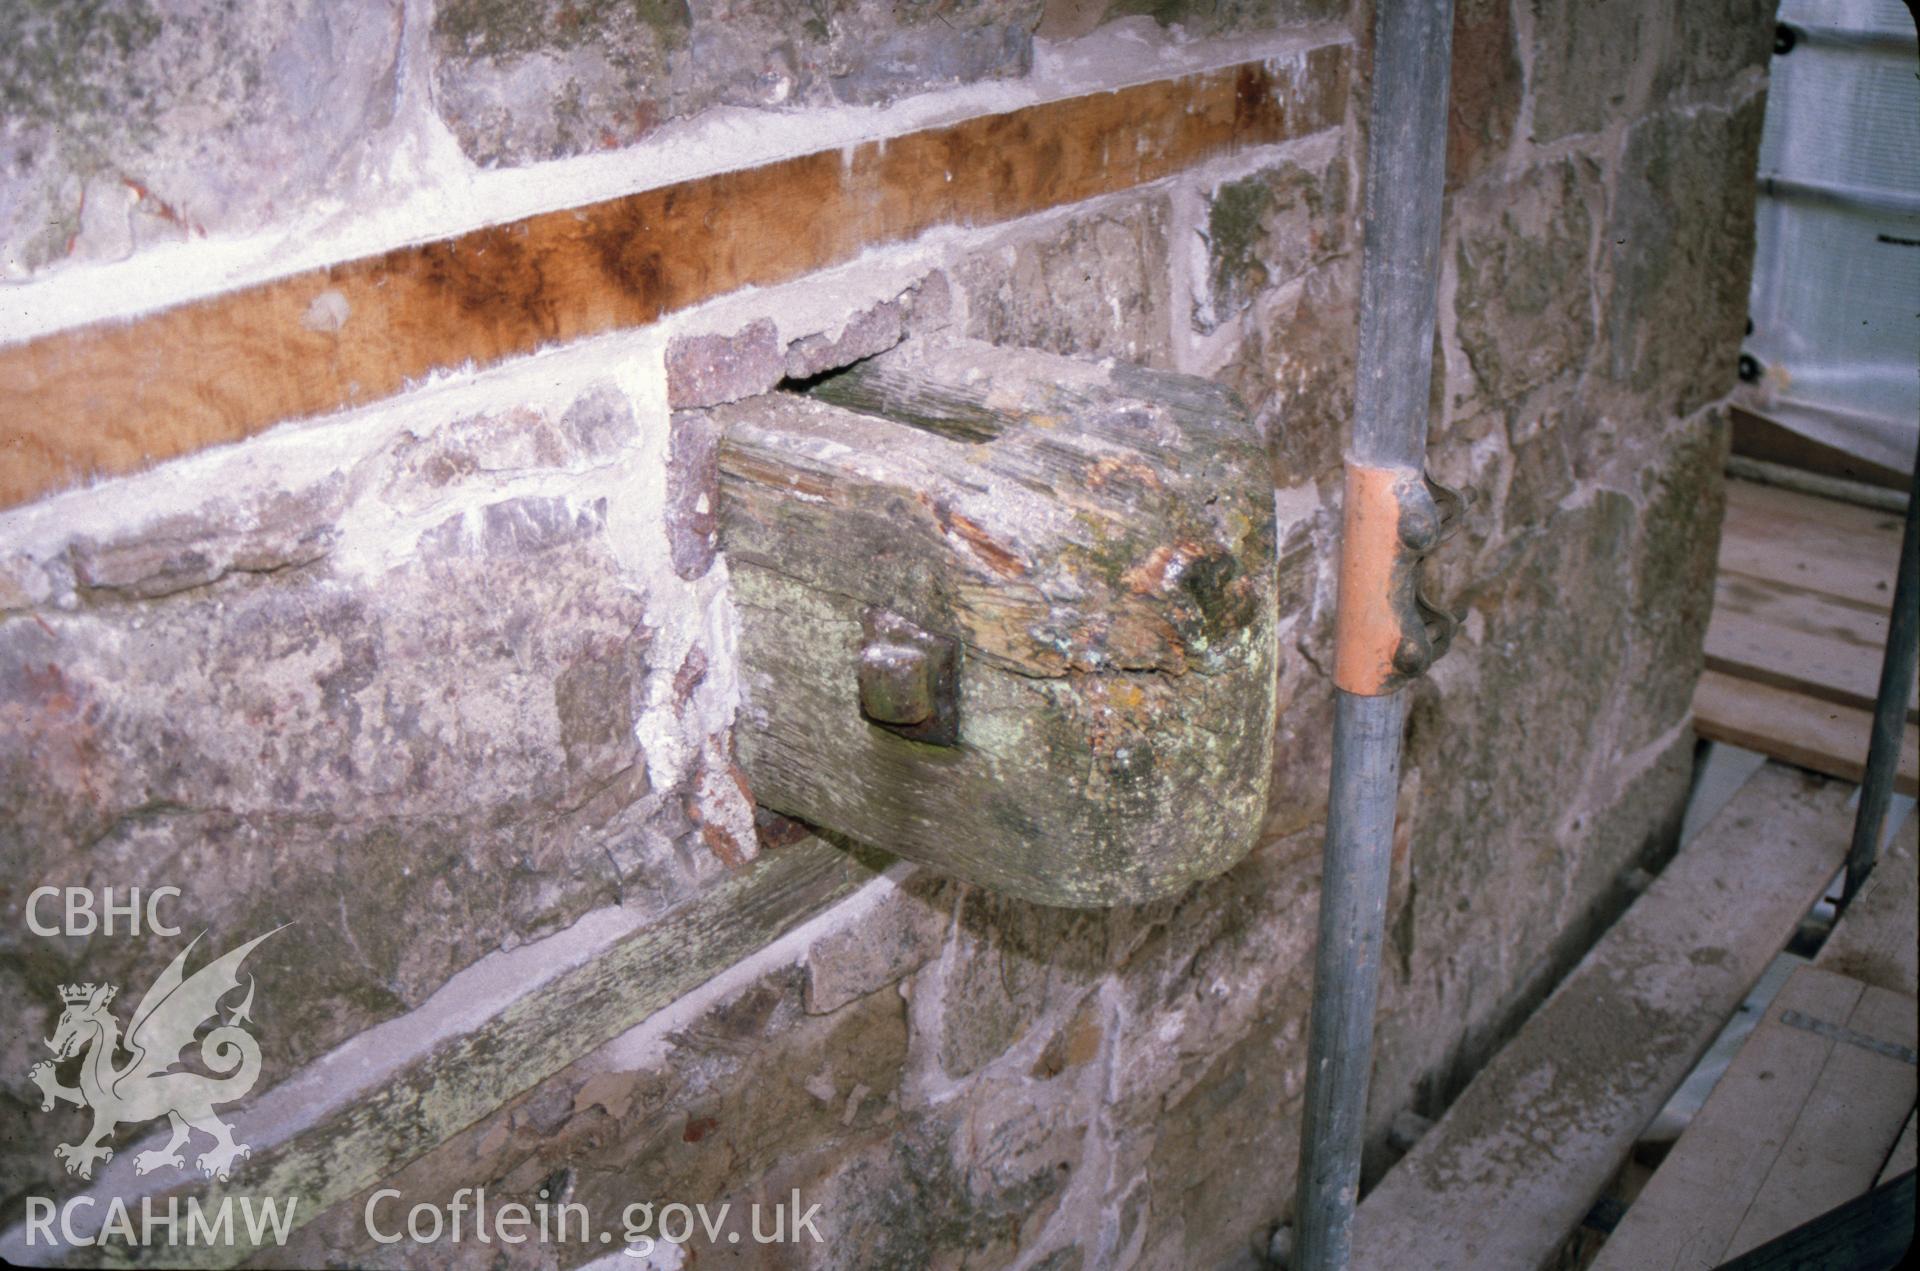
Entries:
{"x":1099,"y":540}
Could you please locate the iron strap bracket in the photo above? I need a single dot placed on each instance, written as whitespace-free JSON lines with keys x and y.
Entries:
{"x":1387,"y":632}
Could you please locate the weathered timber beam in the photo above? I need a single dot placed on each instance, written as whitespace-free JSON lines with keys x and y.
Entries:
{"x":1094,"y":543}
{"x":535,"y":1036}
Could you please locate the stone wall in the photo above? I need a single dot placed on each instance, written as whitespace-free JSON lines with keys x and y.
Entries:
{"x":446,"y":682}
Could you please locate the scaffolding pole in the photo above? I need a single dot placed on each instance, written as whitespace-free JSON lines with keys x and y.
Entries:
{"x":1890,"y":703}
{"x":1386,"y":634}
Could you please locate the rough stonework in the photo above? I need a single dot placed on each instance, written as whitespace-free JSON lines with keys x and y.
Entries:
{"x":1598,"y":63}
{"x":453,"y":682}
{"x":693,"y":492}
{"x":1684,"y":210}
{"x":447,"y":741}
{"x":1193,"y":17}
{"x":518,"y":81}
{"x":706,"y":370}
{"x":866,"y":333}
{"x":1674,"y":569}
{"x":711,"y":369}
{"x":1295,"y":370}
{"x":1524,"y":296}
{"x":1268,"y":229}
{"x":1095,"y":284}
{"x":714,"y":368}
{"x":1586,"y":62}
{"x":1713,"y":43}
{"x":130,"y":122}
{"x":1485,"y":89}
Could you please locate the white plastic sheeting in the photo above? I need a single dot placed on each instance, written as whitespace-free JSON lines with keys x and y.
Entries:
{"x":1836,"y":278}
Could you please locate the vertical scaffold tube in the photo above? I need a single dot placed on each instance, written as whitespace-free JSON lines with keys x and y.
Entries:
{"x":1890,"y":704}
{"x":1399,"y":282}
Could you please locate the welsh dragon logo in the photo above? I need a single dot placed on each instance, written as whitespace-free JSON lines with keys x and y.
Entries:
{"x":144,"y":1087}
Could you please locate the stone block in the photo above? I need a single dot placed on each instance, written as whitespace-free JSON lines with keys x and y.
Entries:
{"x":1225,"y":1154}
{"x":1683,"y":491}
{"x":1294,"y":370}
{"x":899,"y":63}
{"x":1195,"y":17}
{"x":598,"y":425}
{"x":908,"y":929}
{"x":1011,"y":964}
{"x":1587,"y":62}
{"x":1078,"y":1041}
{"x":523,"y":80}
{"x":1487,"y":87}
{"x":1682,"y":237}
{"x":23,"y":583}
{"x":1523,"y":301}
{"x":1229,"y":953}
{"x":518,"y":81}
{"x":693,"y":492}
{"x":1266,"y":229}
{"x":868,"y":332}
{"x":424,"y":471}
{"x":1711,"y":42}
{"x":131,"y":122}
{"x":180,"y":553}
{"x":972,"y":1183}
{"x":706,"y":370}
{"x":925,"y":306}
{"x":413,"y":762}
{"x":1544,"y":472}
{"x":1096,"y":284}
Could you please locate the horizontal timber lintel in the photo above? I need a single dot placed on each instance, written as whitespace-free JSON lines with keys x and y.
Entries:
{"x":113,"y":398}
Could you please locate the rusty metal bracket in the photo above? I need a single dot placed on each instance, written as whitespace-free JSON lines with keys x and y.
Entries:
{"x":1387,"y":631}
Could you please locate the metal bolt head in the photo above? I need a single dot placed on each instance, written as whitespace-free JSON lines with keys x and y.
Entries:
{"x":909,"y":679}
{"x":1413,"y":657}
{"x":1420,"y":519}
{"x":896,"y":684}
{"x":1420,"y":527}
